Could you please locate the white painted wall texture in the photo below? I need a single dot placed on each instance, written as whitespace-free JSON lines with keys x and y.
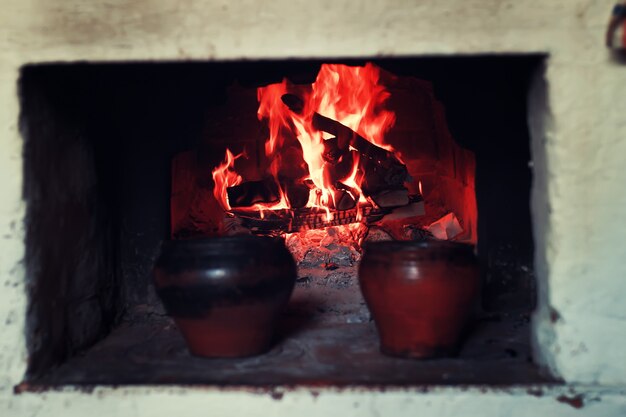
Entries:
{"x":579,"y":156}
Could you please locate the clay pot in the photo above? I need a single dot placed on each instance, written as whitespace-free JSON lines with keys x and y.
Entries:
{"x":225,"y":293}
{"x":420,"y":294}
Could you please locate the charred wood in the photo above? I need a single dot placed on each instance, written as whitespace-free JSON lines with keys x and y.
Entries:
{"x":355,"y":193}
{"x":342,"y":199}
{"x":332,"y":153}
{"x":297,"y":194}
{"x":339,"y":169}
{"x":276,"y":222}
{"x":383,"y":170}
{"x":378,"y":178}
{"x":251,"y":192}
{"x":345,"y":136}
{"x":295,"y":103}
{"x":391,"y":198}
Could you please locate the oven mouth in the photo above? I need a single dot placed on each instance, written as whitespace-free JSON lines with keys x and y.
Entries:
{"x":99,"y":141}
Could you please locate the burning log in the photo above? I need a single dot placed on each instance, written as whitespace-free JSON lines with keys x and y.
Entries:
{"x":346,"y":137}
{"x":391,"y":198}
{"x":297,"y":194}
{"x":339,"y":169}
{"x":342,"y":199}
{"x":266,"y":191}
{"x":342,"y":186}
{"x":382,"y":169}
{"x":276,"y":222}
{"x":295,"y":103}
{"x":378,"y":179}
{"x":415,"y":208}
{"x":251,"y":192}
{"x":332,"y":153}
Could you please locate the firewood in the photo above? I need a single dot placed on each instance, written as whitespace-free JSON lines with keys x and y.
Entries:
{"x":297,"y":194}
{"x":332,"y":153}
{"x":249,"y":193}
{"x":413,"y":209}
{"x":275,"y":222}
{"x":382,"y":166}
{"x":340,"y":169}
{"x":295,"y":103}
{"x":342,"y":200}
{"x":345,"y":136}
{"x":391,"y":198}
{"x":342,"y":186}
{"x":378,"y":178}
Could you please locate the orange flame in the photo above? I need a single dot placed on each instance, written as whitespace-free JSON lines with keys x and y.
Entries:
{"x":350,"y":95}
{"x":224,"y":176}
{"x":353,"y":97}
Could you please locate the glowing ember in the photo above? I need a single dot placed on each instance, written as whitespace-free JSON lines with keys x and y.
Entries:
{"x":351,"y":96}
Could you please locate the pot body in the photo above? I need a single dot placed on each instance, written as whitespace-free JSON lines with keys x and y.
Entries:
{"x":420,"y":294}
{"x":225,"y":294}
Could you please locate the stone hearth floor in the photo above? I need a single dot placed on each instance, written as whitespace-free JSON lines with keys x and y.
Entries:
{"x":325,"y":338}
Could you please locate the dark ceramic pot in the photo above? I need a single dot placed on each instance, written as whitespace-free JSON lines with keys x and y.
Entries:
{"x":225,"y":293}
{"x":420,"y":294}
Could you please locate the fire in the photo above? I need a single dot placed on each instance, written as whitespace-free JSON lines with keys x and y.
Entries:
{"x":349,"y":95}
{"x":224,"y":176}
{"x":353,"y":97}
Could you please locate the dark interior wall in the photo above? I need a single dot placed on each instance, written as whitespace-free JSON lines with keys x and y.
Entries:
{"x":99,"y":139}
{"x":72,"y":258}
{"x":157,"y":112}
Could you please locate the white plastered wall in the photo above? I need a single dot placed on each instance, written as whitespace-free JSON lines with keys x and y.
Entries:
{"x":579,"y":152}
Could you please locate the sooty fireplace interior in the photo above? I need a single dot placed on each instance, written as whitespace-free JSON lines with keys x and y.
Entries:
{"x":119,"y":157}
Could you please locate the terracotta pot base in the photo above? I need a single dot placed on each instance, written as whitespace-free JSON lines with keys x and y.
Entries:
{"x":230,"y":332}
{"x":225,"y":293}
{"x":420,"y":295}
{"x":419,"y":352}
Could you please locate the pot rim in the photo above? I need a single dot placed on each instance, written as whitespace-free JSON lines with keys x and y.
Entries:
{"x":204,"y":243}
{"x":418,"y":246}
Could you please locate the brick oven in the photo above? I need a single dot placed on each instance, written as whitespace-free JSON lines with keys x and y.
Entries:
{"x":120,"y":118}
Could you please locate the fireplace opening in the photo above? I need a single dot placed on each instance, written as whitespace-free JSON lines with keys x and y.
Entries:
{"x":119,"y":157}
